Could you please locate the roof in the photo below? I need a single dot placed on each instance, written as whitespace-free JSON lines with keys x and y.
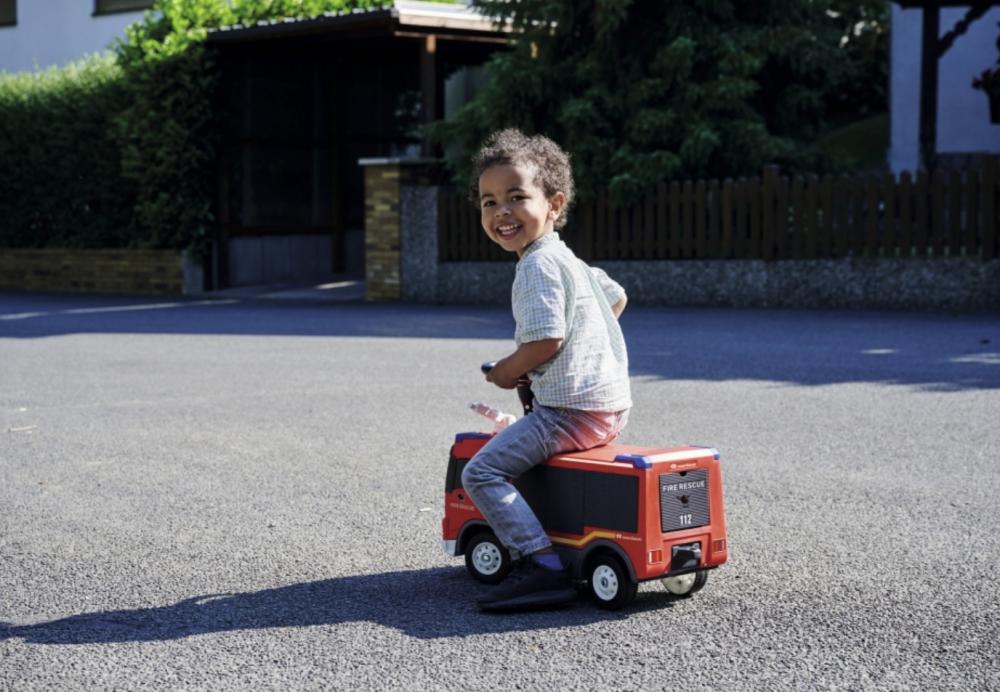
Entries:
{"x":907,"y":4}
{"x":403,"y":16}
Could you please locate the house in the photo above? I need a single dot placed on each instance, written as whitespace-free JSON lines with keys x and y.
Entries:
{"x":954,"y":121}
{"x":36,"y":34}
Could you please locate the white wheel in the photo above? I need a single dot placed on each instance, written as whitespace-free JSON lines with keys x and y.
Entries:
{"x":685,"y":584}
{"x":610,"y":584}
{"x":487,"y":558}
{"x":605,"y":583}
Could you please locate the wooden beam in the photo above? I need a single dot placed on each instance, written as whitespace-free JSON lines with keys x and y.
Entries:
{"x":428,"y":83}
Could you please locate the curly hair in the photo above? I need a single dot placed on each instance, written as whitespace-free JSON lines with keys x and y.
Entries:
{"x":550,"y":164}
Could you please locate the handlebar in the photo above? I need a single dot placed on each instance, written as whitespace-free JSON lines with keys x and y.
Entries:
{"x":524,"y":392}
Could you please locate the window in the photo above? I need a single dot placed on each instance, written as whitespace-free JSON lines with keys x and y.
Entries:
{"x":8,"y":12}
{"x":111,"y":6}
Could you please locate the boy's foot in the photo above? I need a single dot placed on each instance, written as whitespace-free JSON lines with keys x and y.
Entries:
{"x":530,"y":585}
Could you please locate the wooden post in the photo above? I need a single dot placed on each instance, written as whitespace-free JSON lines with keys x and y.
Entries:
{"x":988,"y":226}
{"x":768,"y":221}
{"x":428,"y":85}
{"x":929,"y":83}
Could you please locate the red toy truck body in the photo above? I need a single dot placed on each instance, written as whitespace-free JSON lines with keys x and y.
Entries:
{"x":618,"y":514}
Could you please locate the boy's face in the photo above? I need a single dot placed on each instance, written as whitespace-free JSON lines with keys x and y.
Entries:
{"x":515,"y":211}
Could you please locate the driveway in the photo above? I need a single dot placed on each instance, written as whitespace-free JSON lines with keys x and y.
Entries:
{"x":235,"y":493}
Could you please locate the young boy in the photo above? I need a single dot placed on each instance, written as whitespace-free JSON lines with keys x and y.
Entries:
{"x":568,"y":341}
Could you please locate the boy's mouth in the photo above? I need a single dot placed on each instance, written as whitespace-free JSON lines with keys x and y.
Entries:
{"x":507,"y":230}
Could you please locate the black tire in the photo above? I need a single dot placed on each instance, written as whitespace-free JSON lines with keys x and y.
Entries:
{"x":683,"y":586}
{"x":486,"y":558}
{"x":611,"y":587}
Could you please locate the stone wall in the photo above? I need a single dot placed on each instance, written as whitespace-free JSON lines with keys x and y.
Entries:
{"x":891,"y":284}
{"x":400,"y":228}
{"x":98,"y":271}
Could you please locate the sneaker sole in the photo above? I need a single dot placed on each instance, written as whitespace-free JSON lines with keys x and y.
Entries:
{"x":533,"y":600}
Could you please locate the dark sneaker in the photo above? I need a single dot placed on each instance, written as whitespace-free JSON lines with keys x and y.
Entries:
{"x":529,"y":585}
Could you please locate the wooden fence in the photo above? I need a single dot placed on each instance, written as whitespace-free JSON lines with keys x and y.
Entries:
{"x":946,"y":214}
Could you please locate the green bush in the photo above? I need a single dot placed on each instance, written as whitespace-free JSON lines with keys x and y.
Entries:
{"x":60,"y":168}
{"x":115,"y":152}
{"x":641,"y":91}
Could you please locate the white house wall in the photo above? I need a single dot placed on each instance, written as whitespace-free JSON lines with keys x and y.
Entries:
{"x":55,"y":32}
{"x":963,"y":120}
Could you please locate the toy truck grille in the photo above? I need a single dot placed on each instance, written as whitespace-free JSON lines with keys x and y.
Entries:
{"x":683,"y":500}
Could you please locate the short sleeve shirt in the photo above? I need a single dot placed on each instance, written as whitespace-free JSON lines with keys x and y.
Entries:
{"x":557,"y":296}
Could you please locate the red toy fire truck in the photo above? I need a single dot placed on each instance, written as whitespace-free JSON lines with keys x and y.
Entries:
{"x":618,"y":514}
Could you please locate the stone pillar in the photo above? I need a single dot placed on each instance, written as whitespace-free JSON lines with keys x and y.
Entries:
{"x":385,"y":243}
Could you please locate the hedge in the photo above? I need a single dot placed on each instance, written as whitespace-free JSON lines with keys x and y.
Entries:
{"x":118,"y":152}
{"x":60,"y":162}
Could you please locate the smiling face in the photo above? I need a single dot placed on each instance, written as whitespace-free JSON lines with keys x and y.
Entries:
{"x":515,"y":211}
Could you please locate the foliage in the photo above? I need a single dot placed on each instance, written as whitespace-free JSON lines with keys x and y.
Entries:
{"x":169,"y":132}
{"x":988,"y":81}
{"x":59,"y":165}
{"x":641,"y":90}
{"x":115,"y":152}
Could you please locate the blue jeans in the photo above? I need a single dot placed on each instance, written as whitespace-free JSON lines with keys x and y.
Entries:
{"x":529,"y":441}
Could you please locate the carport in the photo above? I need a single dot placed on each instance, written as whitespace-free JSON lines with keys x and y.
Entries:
{"x":302,"y":102}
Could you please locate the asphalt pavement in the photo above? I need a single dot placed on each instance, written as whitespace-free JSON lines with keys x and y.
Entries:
{"x":236,"y":492}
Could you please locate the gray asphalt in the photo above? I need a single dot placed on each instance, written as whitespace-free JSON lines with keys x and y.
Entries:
{"x":248,"y":494}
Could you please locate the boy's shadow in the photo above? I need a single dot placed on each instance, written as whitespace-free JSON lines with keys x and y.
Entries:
{"x":426,"y":603}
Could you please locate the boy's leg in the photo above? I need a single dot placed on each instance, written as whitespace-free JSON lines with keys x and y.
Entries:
{"x":511,"y":453}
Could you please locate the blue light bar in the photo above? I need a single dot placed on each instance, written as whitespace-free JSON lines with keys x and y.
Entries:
{"x":637,"y":460}
{"x":472,"y":436}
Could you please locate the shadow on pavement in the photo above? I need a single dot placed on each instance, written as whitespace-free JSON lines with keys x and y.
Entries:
{"x":937,"y":352}
{"x":427,"y":604}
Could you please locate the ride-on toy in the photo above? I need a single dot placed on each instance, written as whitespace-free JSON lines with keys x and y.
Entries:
{"x":617,"y":515}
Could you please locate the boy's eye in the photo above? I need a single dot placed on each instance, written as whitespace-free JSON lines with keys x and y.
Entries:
{"x":488,"y":203}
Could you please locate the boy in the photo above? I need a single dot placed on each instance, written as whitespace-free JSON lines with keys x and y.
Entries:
{"x":568,"y":340}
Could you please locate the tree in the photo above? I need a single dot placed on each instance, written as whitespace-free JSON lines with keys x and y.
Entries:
{"x":641,"y":91}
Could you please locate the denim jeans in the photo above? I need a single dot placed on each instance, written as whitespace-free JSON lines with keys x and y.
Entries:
{"x":514,"y":450}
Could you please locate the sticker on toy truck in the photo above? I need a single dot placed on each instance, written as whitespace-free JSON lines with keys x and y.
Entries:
{"x":683,"y":500}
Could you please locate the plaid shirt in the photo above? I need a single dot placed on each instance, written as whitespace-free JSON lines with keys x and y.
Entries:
{"x":554,"y":297}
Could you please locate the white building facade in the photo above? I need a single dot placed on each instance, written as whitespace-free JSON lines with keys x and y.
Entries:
{"x":37,"y":34}
{"x":963,"y":117}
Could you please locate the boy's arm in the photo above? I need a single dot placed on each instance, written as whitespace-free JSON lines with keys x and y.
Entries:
{"x":528,"y":356}
{"x":613,"y":290}
{"x":619,"y":307}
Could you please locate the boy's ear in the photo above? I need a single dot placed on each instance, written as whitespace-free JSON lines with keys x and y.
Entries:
{"x":556,"y":204}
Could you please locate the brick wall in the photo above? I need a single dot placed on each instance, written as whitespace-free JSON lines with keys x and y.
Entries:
{"x":382,"y":231}
{"x":384,"y":244}
{"x":97,"y":271}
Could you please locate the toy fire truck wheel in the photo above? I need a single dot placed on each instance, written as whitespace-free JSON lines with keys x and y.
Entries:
{"x":486,"y":558}
{"x":685,"y":584}
{"x":610,"y":584}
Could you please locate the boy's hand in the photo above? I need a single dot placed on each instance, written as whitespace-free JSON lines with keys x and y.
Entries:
{"x":527,"y":357}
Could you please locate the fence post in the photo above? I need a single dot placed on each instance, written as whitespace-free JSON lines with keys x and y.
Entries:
{"x":988,"y":230}
{"x":768,"y":191}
